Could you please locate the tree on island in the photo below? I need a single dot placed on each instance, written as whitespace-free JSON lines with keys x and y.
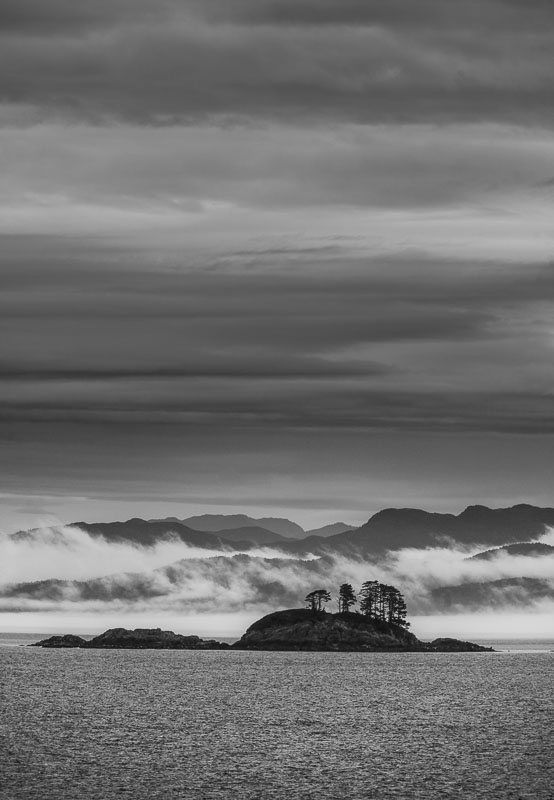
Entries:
{"x":316,"y":600}
{"x":397,"y":608}
{"x":377,"y":601}
{"x":370,"y":594}
{"x":383,"y":602}
{"x":347,"y":597}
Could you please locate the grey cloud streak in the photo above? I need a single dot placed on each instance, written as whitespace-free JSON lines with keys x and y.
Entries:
{"x":361,"y":345}
{"x":184,"y":168}
{"x":184,"y":64}
{"x":251,"y":246}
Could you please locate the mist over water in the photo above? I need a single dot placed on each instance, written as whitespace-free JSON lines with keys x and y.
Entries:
{"x":63,"y":579}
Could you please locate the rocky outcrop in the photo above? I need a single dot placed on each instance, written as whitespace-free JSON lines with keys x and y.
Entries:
{"x":139,"y":639}
{"x":67,"y":640}
{"x":295,"y":629}
{"x":302,"y":629}
{"x":446,"y":645}
{"x":150,"y":639}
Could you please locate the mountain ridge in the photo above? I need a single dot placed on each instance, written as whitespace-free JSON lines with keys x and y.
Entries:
{"x":388,"y":530}
{"x":212,"y":523}
{"x":398,"y":528}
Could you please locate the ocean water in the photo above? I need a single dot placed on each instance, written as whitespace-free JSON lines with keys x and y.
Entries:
{"x":183,"y":724}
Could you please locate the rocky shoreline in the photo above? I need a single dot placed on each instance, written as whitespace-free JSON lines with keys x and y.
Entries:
{"x":138,"y":639}
{"x":290,"y":630}
{"x":302,"y":629}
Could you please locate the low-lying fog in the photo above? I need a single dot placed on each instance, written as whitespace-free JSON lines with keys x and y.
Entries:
{"x":64,"y":580}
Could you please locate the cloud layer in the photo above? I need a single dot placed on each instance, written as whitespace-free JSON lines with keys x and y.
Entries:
{"x":66,"y":572}
{"x":275,"y":253}
{"x":158,"y":62}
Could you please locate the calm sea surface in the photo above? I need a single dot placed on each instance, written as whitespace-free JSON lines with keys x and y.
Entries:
{"x":176,"y":724}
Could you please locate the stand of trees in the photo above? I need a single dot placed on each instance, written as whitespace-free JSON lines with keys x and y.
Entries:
{"x":377,"y":601}
{"x":381,"y":601}
{"x":316,"y":600}
{"x":347,"y":598}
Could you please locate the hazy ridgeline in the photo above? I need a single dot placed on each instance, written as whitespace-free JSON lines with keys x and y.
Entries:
{"x":164,"y":567}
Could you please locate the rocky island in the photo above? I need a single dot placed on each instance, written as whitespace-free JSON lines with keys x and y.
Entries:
{"x":294,"y":629}
{"x":138,"y":639}
{"x":379,"y":626}
{"x":303,"y":629}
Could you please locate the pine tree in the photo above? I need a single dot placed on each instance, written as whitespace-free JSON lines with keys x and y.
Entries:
{"x":347,"y":598}
{"x":383,"y":602}
{"x":399,"y":610}
{"x":316,"y":600}
{"x":370,"y":596}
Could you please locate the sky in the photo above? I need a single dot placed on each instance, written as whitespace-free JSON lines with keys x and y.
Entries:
{"x":288,"y":257}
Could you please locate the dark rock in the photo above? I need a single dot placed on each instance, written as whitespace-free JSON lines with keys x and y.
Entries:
{"x":294,"y":629}
{"x":139,"y":639}
{"x":150,"y":639}
{"x":302,"y":629}
{"x":67,"y":640}
{"x":446,"y":645}
{"x":212,"y":644}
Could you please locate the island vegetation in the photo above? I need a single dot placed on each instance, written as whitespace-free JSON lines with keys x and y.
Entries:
{"x":378,"y":601}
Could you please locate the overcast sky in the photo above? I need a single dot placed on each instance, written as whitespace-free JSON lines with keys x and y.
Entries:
{"x":276,"y":256}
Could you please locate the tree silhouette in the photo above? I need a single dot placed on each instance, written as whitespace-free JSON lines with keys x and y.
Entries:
{"x":347,"y":597}
{"x":383,"y":602}
{"x":397,"y":609}
{"x":370,"y":593}
{"x":316,"y":600}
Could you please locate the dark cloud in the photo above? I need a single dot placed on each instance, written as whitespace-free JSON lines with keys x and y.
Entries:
{"x":263,"y":405}
{"x":404,"y":343}
{"x":102,"y":470}
{"x":446,"y":62}
{"x":34,"y":18}
{"x":264,"y":250}
{"x":431,"y":14}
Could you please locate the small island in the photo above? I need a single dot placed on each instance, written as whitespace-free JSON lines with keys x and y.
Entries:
{"x":301,"y":629}
{"x":379,"y":626}
{"x":138,"y":639}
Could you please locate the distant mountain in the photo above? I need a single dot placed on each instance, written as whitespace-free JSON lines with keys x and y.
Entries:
{"x":391,"y":529}
{"x":145,"y":533}
{"x":397,"y":528}
{"x":530,"y":549}
{"x":253,"y":535}
{"x":331,"y":530}
{"x":149,"y":532}
{"x":218,"y":522}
